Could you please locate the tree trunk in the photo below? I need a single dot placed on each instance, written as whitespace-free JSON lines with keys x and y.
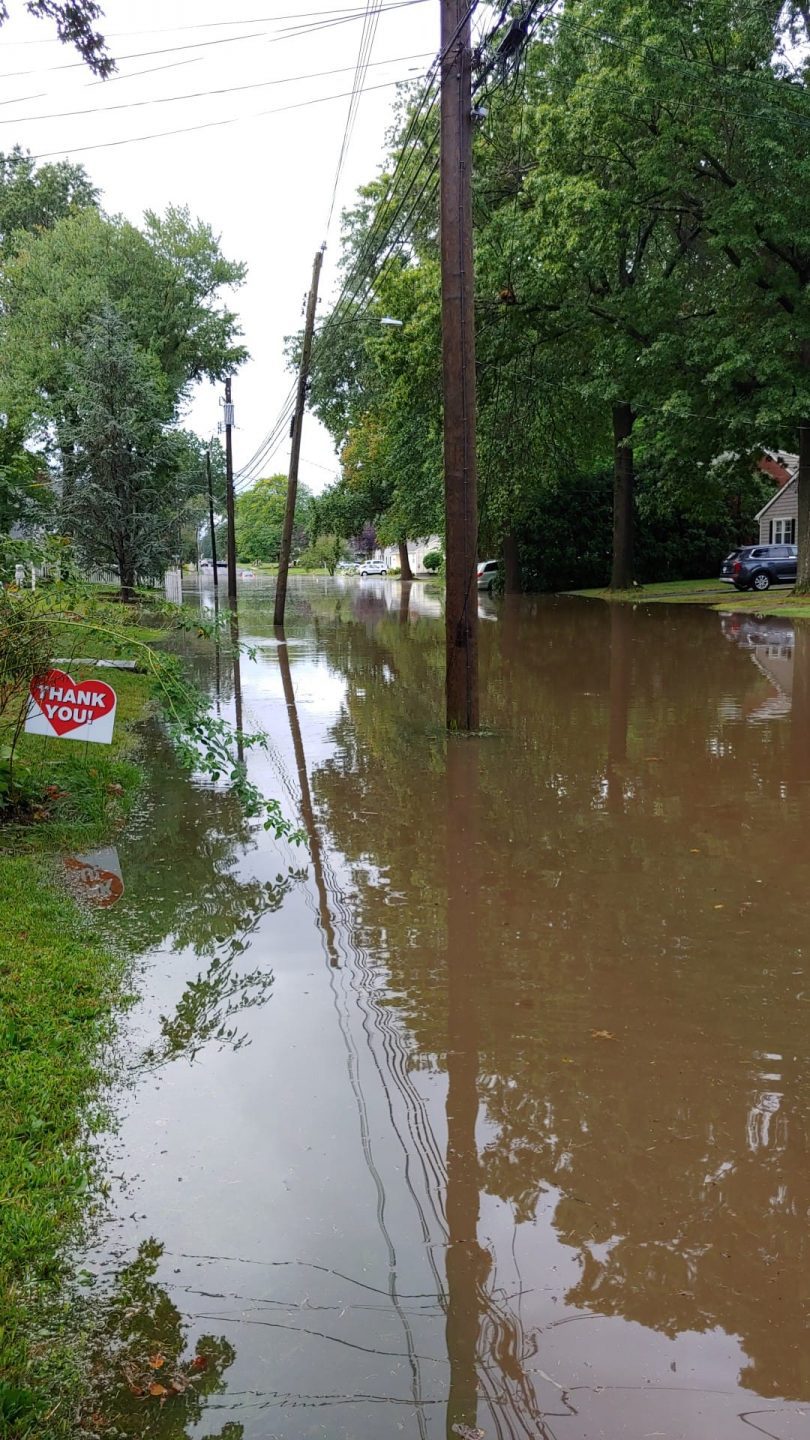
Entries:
{"x":405,"y":571}
{"x":512,"y":582}
{"x":621,"y":575}
{"x":803,"y":522}
{"x":126,"y":571}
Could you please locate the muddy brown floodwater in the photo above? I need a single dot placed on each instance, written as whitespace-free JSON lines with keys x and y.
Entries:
{"x":486,"y":1111}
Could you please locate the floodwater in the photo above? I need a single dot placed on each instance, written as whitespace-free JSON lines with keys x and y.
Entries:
{"x":486,"y":1110}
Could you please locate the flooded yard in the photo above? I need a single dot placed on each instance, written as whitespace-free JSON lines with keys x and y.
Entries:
{"x":485,"y":1110}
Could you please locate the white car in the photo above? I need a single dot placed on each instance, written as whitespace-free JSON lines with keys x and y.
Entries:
{"x":487,"y":570}
{"x":373,"y":567}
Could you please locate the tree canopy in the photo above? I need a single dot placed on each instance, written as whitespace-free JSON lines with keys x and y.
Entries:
{"x":642,"y":261}
{"x":260,"y":517}
{"x":105,"y":328}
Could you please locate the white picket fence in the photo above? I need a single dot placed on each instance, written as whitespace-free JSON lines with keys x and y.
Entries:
{"x":171,"y":584}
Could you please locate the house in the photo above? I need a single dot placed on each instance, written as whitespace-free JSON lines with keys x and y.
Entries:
{"x":417,"y":550}
{"x":777,"y":519}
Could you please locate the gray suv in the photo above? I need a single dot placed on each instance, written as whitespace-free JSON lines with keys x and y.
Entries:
{"x":758,"y":567}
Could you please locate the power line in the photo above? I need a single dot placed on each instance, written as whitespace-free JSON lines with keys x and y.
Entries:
{"x":285,"y":34}
{"x":208,"y":25}
{"x":361,"y":69}
{"x":201,"y":94}
{"x":372,"y":241}
{"x":206,"y":124}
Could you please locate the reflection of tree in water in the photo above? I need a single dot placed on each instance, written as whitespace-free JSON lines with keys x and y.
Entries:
{"x":204,"y":895}
{"x":147,"y":1380}
{"x":202,"y":900}
{"x":627,"y":1033}
{"x":205,"y":1009}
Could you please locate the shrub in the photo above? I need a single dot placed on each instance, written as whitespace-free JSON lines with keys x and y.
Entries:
{"x":433,"y":561}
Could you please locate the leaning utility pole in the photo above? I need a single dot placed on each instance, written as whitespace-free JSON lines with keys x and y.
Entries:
{"x":229,"y":498}
{"x":211,"y":517}
{"x":295,"y":453}
{"x":458,"y":367}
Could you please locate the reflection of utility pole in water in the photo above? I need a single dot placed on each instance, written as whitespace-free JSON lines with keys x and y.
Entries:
{"x":307,"y":812}
{"x":620,"y":623}
{"x":800,"y":707}
{"x":404,"y":602}
{"x":217,"y":653}
{"x":467,"y":1263}
{"x":237,"y":686}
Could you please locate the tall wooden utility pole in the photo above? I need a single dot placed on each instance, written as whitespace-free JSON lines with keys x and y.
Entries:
{"x":211,"y":517}
{"x":295,"y":453}
{"x":229,"y":497}
{"x":458,"y":365}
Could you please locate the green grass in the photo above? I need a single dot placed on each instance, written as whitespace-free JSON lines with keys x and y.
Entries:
{"x":59,"y":987}
{"x":779,"y":601}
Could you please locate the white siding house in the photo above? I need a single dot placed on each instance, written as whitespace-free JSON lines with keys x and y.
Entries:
{"x":777,"y":519}
{"x":417,"y":550}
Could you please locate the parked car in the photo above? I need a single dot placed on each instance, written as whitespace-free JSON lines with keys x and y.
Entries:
{"x":758,"y":567}
{"x":345,"y":567}
{"x":373,"y":567}
{"x":487,"y":570}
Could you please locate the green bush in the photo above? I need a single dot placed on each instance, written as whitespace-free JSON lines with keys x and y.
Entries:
{"x":433,"y":561}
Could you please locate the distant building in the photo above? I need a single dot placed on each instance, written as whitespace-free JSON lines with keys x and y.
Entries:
{"x":777,"y":519}
{"x":417,"y":550}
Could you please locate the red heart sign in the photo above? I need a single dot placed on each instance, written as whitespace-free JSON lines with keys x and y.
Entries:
{"x":68,"y":704}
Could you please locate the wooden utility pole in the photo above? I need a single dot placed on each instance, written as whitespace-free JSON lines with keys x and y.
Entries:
{"x":229,"y":496}
{"x":211,"y":517}
{"x":295,"y":453}
{"x":458,"y":366}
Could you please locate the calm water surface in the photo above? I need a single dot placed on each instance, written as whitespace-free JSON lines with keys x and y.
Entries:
{"x":487,"y":1109}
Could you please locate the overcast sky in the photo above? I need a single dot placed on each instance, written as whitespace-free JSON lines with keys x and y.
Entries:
{"x":264,"y":182}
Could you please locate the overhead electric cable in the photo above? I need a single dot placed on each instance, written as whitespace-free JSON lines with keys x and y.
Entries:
{"x":206,"y":124}
{"x":364,"y":54}
{"x":201,"y":94}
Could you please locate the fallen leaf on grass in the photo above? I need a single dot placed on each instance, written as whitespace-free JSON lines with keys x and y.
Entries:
{"x":602,"y":1035}
{"x":113,"y":789}
{"x":157,"y":1361}
{"x":199,"y":1362}
{"x":159,"y":1390}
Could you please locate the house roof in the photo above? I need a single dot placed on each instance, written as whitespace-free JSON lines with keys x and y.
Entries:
{"x":780,"y":466}
{"x":766,"y":507}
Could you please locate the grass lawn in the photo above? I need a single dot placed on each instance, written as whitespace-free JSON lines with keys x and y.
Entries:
{"x":58,"y":990}
{"x":778,"y":601}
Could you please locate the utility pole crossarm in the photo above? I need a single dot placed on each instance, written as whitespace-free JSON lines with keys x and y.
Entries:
{"x":295,"y":453}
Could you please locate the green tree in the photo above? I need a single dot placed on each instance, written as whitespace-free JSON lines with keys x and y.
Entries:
{"x":260,"y":517}
{"x":167,"y":294}
{"x":35,"y":197}
{"x":127,"y":492}
{"x":163,"y":284}
{"x":324,"y":552}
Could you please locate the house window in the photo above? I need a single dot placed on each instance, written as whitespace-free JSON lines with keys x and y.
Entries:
{"x":783,"y":532}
